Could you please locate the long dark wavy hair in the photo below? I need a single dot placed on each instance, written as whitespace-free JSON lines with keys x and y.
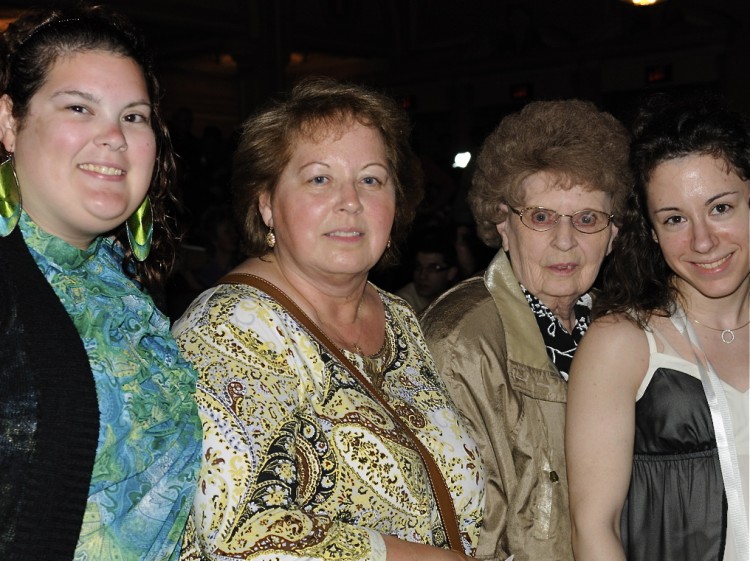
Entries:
{"x":637,"y":278}
{"x":28,"y":50}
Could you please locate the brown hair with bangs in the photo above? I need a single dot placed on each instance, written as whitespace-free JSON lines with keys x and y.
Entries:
{"x":315,"y":107}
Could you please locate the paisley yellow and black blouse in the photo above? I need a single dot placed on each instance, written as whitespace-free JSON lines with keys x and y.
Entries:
{"x":298,"y":460}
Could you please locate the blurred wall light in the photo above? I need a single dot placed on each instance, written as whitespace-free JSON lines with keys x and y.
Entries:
{"x":461,"y":160}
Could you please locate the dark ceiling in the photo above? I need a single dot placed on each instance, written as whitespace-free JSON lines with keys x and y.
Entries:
{"x":440,"y":56}
{"x":409,"y":39}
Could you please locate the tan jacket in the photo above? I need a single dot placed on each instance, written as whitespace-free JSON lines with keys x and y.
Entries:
{"x":489,"y":350}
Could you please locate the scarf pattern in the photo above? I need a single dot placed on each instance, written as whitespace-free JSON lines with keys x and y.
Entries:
{"x":561,"y":345}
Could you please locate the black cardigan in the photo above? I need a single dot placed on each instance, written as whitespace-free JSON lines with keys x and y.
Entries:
{"x":49,"y":417}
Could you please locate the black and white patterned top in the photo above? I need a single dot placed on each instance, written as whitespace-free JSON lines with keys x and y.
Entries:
{"x":561,"y":345}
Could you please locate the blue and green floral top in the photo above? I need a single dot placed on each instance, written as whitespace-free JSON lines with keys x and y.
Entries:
{"x":148,"y":453}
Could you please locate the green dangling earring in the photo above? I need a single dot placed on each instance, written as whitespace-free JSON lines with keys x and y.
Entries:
{"x":140,"y":229}
{"x":10,"y":197}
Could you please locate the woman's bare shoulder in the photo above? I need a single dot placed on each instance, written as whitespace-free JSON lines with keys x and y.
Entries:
{"x":614,"y":347}
{"x":619,"y":326}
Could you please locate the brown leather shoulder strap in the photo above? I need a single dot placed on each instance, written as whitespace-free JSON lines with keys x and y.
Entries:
{"x":439,"y":487}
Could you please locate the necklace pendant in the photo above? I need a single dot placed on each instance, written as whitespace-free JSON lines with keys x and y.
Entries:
{"x":727,"y":335}
{"x":730,"y":337}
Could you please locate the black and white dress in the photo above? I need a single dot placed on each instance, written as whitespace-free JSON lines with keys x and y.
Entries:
{"x":676,"y":507}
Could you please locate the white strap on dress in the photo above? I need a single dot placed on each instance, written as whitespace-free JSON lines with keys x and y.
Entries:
{"x":737,"y":520}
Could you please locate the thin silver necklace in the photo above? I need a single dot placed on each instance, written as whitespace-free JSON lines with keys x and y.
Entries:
{"x":727,"y":335}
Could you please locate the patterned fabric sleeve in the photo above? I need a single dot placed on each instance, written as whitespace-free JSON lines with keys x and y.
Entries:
{"x":264,"y":455}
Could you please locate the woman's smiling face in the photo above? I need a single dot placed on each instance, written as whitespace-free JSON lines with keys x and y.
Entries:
{"x":699,"y":210}
{"x":85,"y":152}
{"x":333,"y":207}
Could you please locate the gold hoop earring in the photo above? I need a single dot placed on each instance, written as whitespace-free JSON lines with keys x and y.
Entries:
{"x":10,"y":197}
{"x":140,"y":229}
{"x":270,"y":238}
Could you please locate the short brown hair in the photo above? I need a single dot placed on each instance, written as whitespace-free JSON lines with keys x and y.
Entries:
{"x":314,"y":105}
{"x":571,"y":139}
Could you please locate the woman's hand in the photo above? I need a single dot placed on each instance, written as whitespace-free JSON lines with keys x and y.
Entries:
{"x":401,"y":550}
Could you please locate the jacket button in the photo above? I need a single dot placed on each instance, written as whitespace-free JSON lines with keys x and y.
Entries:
{"x":553,"y":477}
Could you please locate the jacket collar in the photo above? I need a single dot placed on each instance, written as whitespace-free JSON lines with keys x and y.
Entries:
{"x":529,"y":369}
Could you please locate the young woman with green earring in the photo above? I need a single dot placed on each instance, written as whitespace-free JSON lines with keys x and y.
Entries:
{"x":99,"y":435}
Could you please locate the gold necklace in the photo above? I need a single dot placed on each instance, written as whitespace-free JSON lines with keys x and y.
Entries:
{"x":376,"y":365}
{"x":727,"y":335}
{"x":333,"y":332}
{"x":355,"y":345}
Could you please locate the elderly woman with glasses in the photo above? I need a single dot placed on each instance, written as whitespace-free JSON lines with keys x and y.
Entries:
{"x":549,"y":186}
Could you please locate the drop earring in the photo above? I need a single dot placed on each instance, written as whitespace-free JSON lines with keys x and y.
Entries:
{"x":140,"y":229}
{"x":10,"y":197}
{"x":270,"y":238}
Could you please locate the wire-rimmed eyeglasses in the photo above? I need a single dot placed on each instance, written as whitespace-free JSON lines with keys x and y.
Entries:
{"x":542,"y":219}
